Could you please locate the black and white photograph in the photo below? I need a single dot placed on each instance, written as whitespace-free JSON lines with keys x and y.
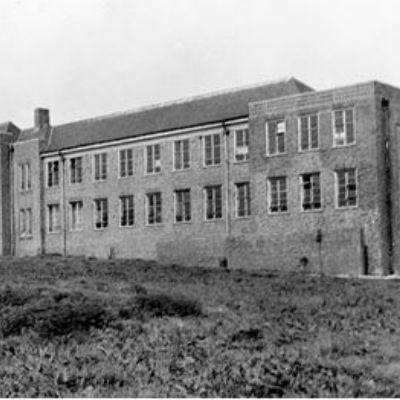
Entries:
{"x":199,"y":198}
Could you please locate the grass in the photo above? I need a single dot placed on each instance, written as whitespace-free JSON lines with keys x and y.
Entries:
{"x":76,"y":327}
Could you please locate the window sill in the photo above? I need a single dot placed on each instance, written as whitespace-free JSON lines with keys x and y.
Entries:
{"x":152,"y":173}
{"x":75,"y":183}
{"x":123,"y":178}
{"x":25,"y":191}
{"x":54,"y":232}
{"x":76,"y":230}
{"x":279,"y":213}
{"x":318,"y":210}
{"x":309,"y":151}
{"x":99,"y":180}
{"x":127,"y":227}
{"x":346,"y":208}
{"x":276,"y":155}
{"x":244,"y":218}
{"x":214,"y":220}
{"x":339,"y":146}
{"x":157,"y":225}
{"x":100,"y":229}
{"x":25,"y":237}
{"x":212,"y":166}
{"x":177,"y":223}
{"x":235,"y":162}
{"x":183,"y":170}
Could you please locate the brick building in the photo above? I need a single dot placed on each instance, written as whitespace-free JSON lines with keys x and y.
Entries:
{"x":275,"y":175}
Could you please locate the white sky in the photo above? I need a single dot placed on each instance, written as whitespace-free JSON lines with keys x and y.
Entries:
{"x":84,"y":58}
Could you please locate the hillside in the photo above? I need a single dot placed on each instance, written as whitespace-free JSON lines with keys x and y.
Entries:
{"x":77,"y":327}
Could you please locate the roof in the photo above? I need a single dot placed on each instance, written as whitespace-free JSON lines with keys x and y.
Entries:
{"x":8,"y":127}
{"x":200,"y":110}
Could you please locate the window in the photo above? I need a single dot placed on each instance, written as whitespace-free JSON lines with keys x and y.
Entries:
{"x":75,"y":215}
{"x":277,"y":191}
{"x":100,"y":213}
{"x":25,"y":176}
{"x":153,"y":208}
{"x":182,"y":206}
{"x":212,"y":149}
{"x":343,"y":127}
{"x":25,"y":222}
{"x":308,"y":130}
{"x":213,"y":200}
{"x":75,"y":170}
{"x":100,"y":166}
{"x":125,"y":163}
{"x":242,"y":145}
{"x":311,"y":192}
{"x":54,"y":220}
{"x":52,"y":173}
{"x":346,"y":188}
{"x":275,"y":137}
{"x":126,"y":211}
{"x":153,"y":159}
{"x":243,"y":199}
{"x":181,"y":154}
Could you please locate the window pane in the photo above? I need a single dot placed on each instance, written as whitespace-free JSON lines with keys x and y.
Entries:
{"x":271,"y":137}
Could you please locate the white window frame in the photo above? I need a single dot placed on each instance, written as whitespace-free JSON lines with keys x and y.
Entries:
{"x":79,"y":226}
{"x":147,"y":206}
{"x":247,"y":199}
{"x":53,"y":225}
{"x":25,"y":223}
{"x":184,"y":220}
{"x":181,"y":154}
{"x":214,"y":205}
{"x":100,"y":154}
{"x":267,"y":149}
{"x":154,"y":161}
{"x":122,"y":198}
{"x":334,"y":134}
{"x":25,"y":177}
{"x":103,"y":200}
{"x":346,"y":171}
{"x":70,"y":170}
{"x":48,"y":163}
{"x":308,"y":116}
{"x":279,"y":192}
{"x":127,"y":174}
{"x":235,"y":146}
{"x":302,"y":193}
{"x":221,"y":148}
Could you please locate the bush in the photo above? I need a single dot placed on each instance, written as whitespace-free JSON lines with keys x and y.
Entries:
{"x":160,"y":305}
{"x":57,"y":314}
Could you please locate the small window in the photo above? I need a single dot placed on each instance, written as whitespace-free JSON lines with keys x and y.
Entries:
{"x":100,"y":213}
{"x":154,"y":208}
{"x":311,"y":191}
{"x":243,"y":199}
{"x":153,"y":158}
{"x":212,"y":150}
{"x":100,"y":166}
{"x":213,"y":202}
{"x":75,"y":170}
{"x":277,"y":195}
{"x":181,"y":154}
{"x":53,"y":173}
{"x":54,"y":218}
{"x":125,"y":163}
{"x":25,"y":222}
{"x":25,"y":177}
{"x":343,"y":127}
{"x":182,"y":206}
{"x":346,"y":188}
{"x":126,"y":211}
{"x":308,"y":132}
{"x":276,"y":131}
{"x":242,"y":145}
{"x":75,"y":215}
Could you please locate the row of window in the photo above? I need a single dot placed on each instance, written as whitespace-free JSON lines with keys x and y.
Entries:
{"x":346,"y":196}
{"x":343,"y":134}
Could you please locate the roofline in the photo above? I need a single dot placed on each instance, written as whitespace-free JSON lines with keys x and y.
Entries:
{"x":371,"y":83}
{"x":185,"y":100}
{"x":146,"y":136}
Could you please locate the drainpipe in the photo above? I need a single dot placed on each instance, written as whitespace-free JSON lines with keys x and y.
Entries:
{"x":63,"y":205}
{"x":11,"y":187}
{"x":388,"y":178}
{"x":227,"y":187}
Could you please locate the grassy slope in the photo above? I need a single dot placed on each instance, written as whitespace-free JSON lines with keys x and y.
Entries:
{"x":260,"y":334}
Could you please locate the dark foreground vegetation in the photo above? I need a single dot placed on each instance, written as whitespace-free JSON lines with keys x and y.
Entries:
{"x":83,"y":327}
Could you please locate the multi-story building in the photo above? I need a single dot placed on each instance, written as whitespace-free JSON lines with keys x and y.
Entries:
{"x":275,"y":175}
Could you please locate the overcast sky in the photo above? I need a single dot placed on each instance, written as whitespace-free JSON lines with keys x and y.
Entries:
{"x":85,"y":58}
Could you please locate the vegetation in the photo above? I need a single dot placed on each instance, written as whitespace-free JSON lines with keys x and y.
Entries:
{"x":77,"y":327}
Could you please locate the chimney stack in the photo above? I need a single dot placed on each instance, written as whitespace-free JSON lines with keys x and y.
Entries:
{"x":42,"y":118}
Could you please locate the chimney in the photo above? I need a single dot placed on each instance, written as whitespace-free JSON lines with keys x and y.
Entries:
{"x":42,"y":118}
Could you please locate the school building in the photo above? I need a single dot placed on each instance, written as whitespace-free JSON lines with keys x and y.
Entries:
{"x":270,"y":176}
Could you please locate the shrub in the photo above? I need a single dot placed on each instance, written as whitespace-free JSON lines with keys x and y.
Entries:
{"x":57,"y":314}
{"x":160,"y":305}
